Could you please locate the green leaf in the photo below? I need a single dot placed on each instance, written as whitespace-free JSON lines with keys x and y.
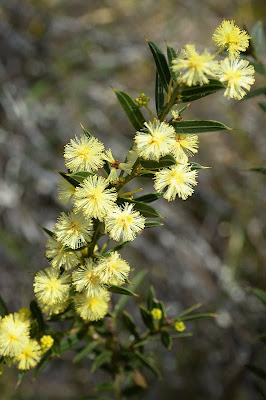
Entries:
{"x":166,"y":161}
{"x":132,"y":111}
{"x":101,"y":359}
{"x":80,"y":176}
{"x":258,"y":39}
{"x":151,"y":299}
{"x":121,"y":290}
{"x":146,"y":210}
{"x":130,"y":323}
{"x":262,"y":170}
{"x":182,"y":335}
{"x":262,"y":105}
{"x":195,"y":165}
{"x":68,"y":343}
{"x":49,"y":233}
{"x":119,"y":246}
{"x":84,"y":352}
{"x":195,"y":127}
{"x":3,"y":308}
{"x":189,"y":310}
{"x":259,"y":67}
{"x":37,"y":314}
{"x":171,"y":54}
{"x":68,"y":178}
{"x":21,"y":376}
{"x":86,"y":131}
{"x":159,"y":94}
{"x":197,"y":316}
{"x":254,"y":93}
{"x":146,"y":361}
{"x":192,"y":93}
{"x":166,"y":339}
{"x":149,"y":198}
{"x":260,"y":294}
{"x":152,"y":224}
{"x":42,"y":364}
{"x":105,"y":387}
{"x":261,"y":373}
{"x":161,"y":64}
{"x":147,"y":318}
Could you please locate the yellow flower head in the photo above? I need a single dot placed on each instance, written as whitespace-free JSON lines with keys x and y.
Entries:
{"x":51,"y":287}
{"x":238,"y":75}
{"x":65,"y":191}
{"x":156,"y":313}
{"x":198,"y":66}
{"x":84,"y":154}
{"x":24,"y":313}
{"x":86,"y":278}
{"x":93,"y":199}
{"x":179,"y":326}
{"x":123,"y":223}
{"x":113,"y":270}
{"x":184,"y":146}
{"x":179,"y":180}
{"x":29,"y":356}
{"x":54,"y":309}
{"x":229,"y":36}
{"x":46,"y":342}
{"x":155,"y":141}
{"x":58,"y":257}
{"x":14,"y":334}
{"x":73,"y":229}
{"x":92,"y":308}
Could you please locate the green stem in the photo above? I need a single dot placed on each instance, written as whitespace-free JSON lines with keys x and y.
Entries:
{"x":171,"y":102}
{"x":95,"y":238}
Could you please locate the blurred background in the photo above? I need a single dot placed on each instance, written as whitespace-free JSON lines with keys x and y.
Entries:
{"x":58,"y":59}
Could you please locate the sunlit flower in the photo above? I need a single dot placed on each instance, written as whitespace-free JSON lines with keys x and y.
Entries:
{"x":86,"y":277}
{"x":52,"y":287}
{"x":93,"y":199}
{"x":238,"y":75}
{"x":46,"y":343}
{"x":179,"y":180}
{"x":198,"y":66}
{"x":84,"y":154}
{"x":59,"y":257}
{"x":73,"y":229}
{"x":184,"y":146}
{"x":156,"y":313}
{"x":179,"y":326}
{"x":155,"y":141}
{"x":14,"y":334}
{"x":113,"y":270}
{"x":29,"y":356}
{"x":92,"y":308}
{"x":123,"y":223}
{"x":65,"y":191}
{"x":229,"y":36}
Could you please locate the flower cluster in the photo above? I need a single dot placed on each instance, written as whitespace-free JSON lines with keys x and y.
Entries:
{"x":236,"y":74}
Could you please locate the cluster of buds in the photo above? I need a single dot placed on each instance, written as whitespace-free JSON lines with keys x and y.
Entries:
{"x":142,"y":100}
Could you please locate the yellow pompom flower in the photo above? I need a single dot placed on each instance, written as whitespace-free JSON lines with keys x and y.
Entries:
{"x":179,"y":180}
{"x":86,"y":278}
{"x":14,"y":334}
{"x":24,"y":313}
{"x":156,"y":314}
{"x":155,"y":141}
{"x":58,"y":257}
{"x":51,"y":287}
{"x":92,"y":308}
{"x":84,"y":154}
{"x":46,"y":343}
{"x":198,"y":66}
{"x":237,"y":75}
{"x":184,"y":146}
{"x":93,"y":199}
{"x":54,"y":309}
{"x":29,"y":356}
{"x":179,"y":326}
{"x":229,"y":36}
{"x":123,"y":223}
{"x":73,"y":229}
{"x":113,"y":270}
{"x":65,"y":191}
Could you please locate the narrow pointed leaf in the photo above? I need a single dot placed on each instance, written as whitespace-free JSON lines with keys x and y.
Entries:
{"x":37,"y":314}
{"x":195,"y":127}
{"x":85,"y":351}
{"x":192,"y":93}
{"x":198,"y":316}
{"x":101,"y":359}
{"x":146,"y":210}
{"x":147,"y":318}
{"x":195,"y":165}
{"x":146,"y":361}
{"x":42,"y":364}
{"x":164,"y":162}
{"x":149,"y":198}
{"x":161,"y":64}
{"x":262,"y":170}
{"x":159,"y":94}
{"x":260,"y":294}
{"x":121,"y":290}
{"x":262,"y":105}
{"x":152,"y":224}
{"x":255,"y":92}
{"x":189,"y":310}
{"x":80,"y":176}
{"x":171,"y":54}
{"x":131,"y":109}
{"x":3,"y":308}
{"x":49,"y":233}
{"x":87,"y":133}
{"x":151,"y":299}
{"x":68,"y":178}
{"x":166,"y":340}
{"x":130,"y":323}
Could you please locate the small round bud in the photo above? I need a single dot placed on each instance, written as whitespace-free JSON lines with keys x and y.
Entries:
{"x":179,"y":326}
{"x":156,"y":313}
